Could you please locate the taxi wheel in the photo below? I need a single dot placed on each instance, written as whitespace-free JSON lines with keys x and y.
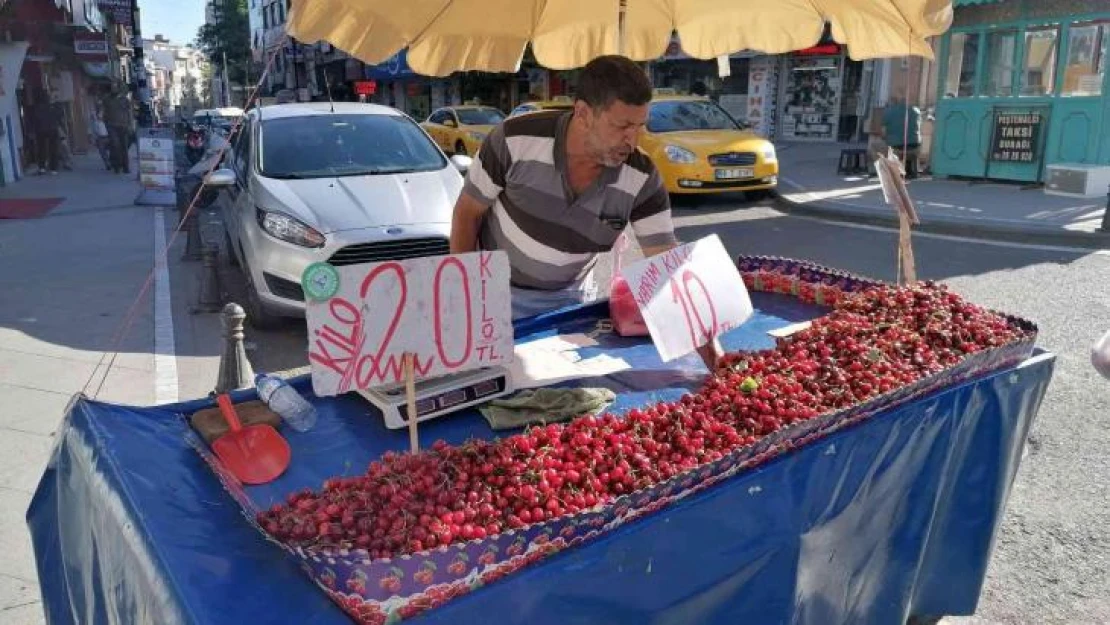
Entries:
{"x":757,"y":196}
{"x":460,"y":148}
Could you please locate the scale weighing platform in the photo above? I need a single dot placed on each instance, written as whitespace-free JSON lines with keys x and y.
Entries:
{"x":441,"y":395}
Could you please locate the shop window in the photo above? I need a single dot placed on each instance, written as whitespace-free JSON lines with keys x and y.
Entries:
{"x":1001,"y":49}
{"x":1038,"y":76}
{"x":963,"y":58}
{"x":1086,"y":61}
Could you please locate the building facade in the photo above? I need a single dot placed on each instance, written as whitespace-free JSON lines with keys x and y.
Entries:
{"x":814,"y":95}
{"x":1023,"y":86}
{"x":57,"y":53}
{"x":175,"y":73}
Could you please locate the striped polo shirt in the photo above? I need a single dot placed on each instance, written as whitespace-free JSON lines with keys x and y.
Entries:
{"x":552,"y":237}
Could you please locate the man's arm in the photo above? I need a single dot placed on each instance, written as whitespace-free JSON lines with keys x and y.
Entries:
{"x":466,"y":221}
{"x":651,"y":221}
{"x":484,"y":182}
{"x":651,"y":217}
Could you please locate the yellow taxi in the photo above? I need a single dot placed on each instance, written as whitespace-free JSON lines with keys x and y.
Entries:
{"x":461,"y":129}
{"x":558,"y":103}
{"x":699,"y":148}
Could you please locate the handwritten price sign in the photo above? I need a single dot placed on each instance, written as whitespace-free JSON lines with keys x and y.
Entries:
{"x":688,"y":296}
{"x":451,"y":312}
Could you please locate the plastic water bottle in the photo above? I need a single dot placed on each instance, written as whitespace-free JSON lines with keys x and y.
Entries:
{"x":285,"y":401}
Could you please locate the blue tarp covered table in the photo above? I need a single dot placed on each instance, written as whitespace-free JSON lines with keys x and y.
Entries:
{"x":892,"y":518}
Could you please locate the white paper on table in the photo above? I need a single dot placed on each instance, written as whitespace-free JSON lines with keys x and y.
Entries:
{"x":555,"y":359}
{"x":793,"y":328}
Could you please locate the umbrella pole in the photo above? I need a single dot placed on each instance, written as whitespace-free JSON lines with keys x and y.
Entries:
{"x":622,"y":12}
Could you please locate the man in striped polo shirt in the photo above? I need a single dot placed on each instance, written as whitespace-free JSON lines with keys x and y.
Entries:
{"x":555,"y":189}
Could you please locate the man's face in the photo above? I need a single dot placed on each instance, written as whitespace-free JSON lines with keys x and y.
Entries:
{"x":612,"y":132}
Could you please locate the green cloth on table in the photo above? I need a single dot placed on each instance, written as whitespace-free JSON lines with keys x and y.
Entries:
{"x":537,"y":406}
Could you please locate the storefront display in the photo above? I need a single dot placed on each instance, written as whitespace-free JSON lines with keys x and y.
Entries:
{"x":811,"y":98}
{"x":1038,"y":63}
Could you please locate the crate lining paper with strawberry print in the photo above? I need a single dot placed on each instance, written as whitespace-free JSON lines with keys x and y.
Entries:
{"x":391,"y":589}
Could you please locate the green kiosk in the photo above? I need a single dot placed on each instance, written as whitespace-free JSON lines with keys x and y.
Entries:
{"x":1024,"y":91}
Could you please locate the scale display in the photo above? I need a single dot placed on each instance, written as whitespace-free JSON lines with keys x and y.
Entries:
{"x":436,"y":397}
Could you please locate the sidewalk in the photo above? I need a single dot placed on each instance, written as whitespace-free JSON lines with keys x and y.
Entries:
{"x":809,"y":184}
{"x":68,"y":279}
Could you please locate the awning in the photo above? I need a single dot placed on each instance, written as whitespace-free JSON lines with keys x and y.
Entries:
{"x":491,"y":35}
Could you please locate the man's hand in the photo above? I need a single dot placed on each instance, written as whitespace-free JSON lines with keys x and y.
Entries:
{"x":711,"y":354}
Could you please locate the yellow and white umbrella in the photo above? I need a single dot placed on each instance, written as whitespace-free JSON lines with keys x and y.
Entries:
{"x":445,"y":36}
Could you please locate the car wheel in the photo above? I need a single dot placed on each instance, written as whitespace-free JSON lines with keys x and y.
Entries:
{"x":460,"y":148}
{"x":757,"y":196}
{"x":257,"y":316}
{"x":229,"y":249}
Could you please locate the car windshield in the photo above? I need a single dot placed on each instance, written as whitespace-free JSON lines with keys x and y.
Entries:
{"x":330,"y":145}
{"x":679,"y":115}
{"x":479,"y":117}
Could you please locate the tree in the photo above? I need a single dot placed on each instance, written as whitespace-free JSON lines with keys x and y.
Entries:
{"x":229,"y":35}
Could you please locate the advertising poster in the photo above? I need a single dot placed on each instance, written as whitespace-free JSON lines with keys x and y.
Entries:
{"x":156,"y":160}
{"x":762,"y":81}
{"x":811,"y":109}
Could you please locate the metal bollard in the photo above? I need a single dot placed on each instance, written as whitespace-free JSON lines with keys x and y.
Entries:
{"x":210,"y":297}
{"x":235,"y":369}
{"x":193,"y":242}
{"x":1105,"y":227}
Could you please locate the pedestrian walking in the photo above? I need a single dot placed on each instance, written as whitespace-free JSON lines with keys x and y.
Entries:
{"x":99,"y":134}
{"x":44,"y":126}
{"x":902,"y":131}
{"x":65,"y":149}
{"x":117,"y":118}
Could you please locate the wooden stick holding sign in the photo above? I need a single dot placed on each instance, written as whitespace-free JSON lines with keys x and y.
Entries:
{"x":897,"y":195}
{"x":410,"y":401}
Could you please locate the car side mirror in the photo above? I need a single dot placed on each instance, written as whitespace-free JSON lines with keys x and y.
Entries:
{"x":220,"y":178}
{"x":462,"y":163}
{"x":450,"y":123}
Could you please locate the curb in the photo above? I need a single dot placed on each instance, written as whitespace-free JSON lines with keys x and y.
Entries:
{"x":976,"y":230}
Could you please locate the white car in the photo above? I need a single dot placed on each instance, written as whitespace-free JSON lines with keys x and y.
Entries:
{"x":345,"y":183}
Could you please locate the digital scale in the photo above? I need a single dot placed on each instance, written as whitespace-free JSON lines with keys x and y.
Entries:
{"x":441,"y":395}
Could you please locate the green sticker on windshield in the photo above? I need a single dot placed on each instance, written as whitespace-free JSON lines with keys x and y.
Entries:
{"x":320,"y":281}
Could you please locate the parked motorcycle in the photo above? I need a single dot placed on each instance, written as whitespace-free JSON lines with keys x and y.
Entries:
{"x":215,"y":151}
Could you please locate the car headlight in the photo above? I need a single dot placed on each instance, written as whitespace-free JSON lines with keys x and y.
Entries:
{"x":769,"y":153}
{"x":676,"y":154}
{"x":283,"y":227}
{"x":477,"y":136}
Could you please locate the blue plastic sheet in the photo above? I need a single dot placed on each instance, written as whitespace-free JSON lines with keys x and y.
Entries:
{"x":889,"y":519}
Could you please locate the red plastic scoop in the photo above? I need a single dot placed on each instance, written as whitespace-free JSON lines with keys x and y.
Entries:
{"x":255,"y":454}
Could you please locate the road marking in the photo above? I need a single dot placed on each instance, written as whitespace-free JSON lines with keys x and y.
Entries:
{"x":807,"y":196}
{"x":165,"y":354}
{"x":1082,"y":251}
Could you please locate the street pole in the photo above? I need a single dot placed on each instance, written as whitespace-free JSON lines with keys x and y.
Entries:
{"x":142,"y":93}
{"x":1105,"y":226}
{"x":227,"y":84}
